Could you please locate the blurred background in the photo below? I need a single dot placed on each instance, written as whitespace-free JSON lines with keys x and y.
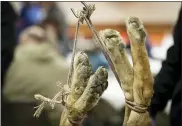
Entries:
{"x":158,"y":18}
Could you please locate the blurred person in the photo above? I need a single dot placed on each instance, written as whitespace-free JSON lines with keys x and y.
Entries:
{"x":8,"y":44}
{"x":55,"y":15}
{"x":94,"y":53}
{"x":97,"y":59}
{"x":31,"y":13}
{"x":36,"y":68}
{"x":8,"y":41}
{"x":168,"y":82}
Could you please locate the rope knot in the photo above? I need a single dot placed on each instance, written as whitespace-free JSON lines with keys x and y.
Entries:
{"x":135,"y":107}
{"x":85,"y":13}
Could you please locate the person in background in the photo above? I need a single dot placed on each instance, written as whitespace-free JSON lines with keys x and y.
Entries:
{"x":8,"y":44}
{"x":8,"y":37}
{"x":89,"y":46}
{"x":36,"y":69}
{"x":31,"y":13}
{"x":168,"y":83}
{"x":55,"y":15}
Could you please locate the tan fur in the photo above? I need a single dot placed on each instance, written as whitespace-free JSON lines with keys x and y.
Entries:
{"x":86,"y":89}
{"x":136,"y":82}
